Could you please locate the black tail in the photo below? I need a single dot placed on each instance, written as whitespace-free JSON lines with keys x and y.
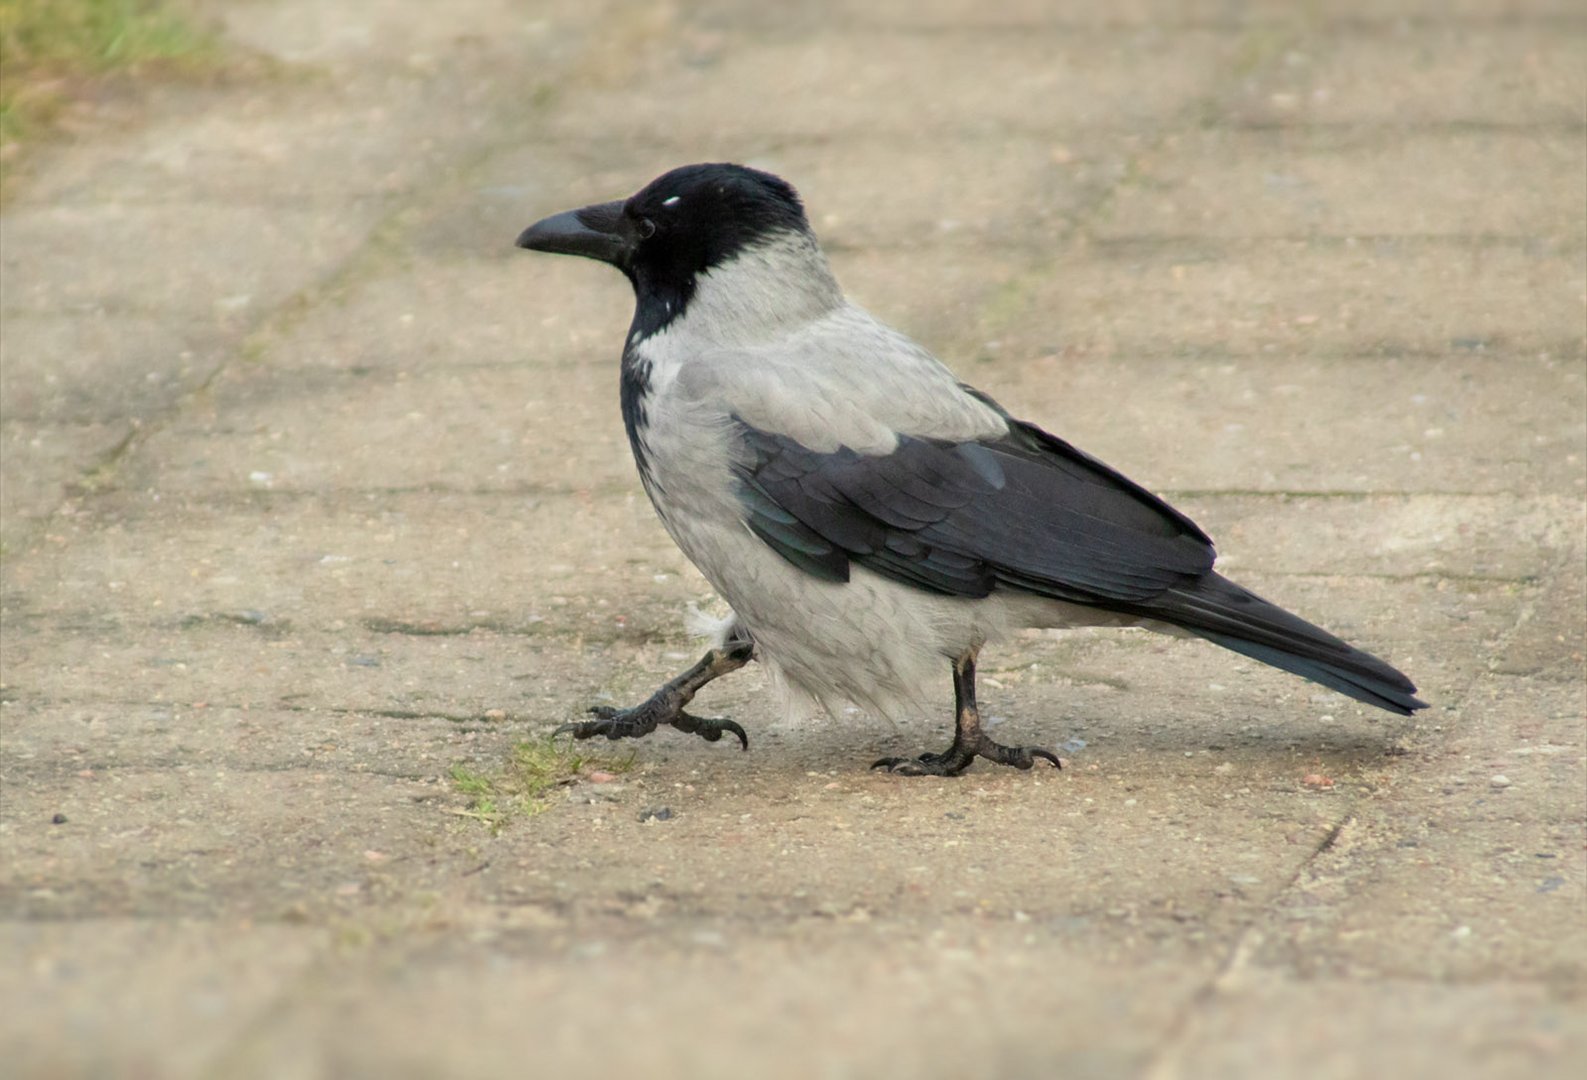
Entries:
{"x":1217,"y":609}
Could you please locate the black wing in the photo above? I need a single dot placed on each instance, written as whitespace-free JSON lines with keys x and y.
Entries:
{"x":1026,"y":511}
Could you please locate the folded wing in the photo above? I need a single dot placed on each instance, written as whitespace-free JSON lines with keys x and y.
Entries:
{"x":1022,"y":510}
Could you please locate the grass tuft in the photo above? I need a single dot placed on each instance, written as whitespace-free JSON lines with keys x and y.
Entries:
{"x":532,"y":771}
{"x":51,"y":49}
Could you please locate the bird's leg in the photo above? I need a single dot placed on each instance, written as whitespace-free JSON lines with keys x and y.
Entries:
{"x":665,"y":706}
{"x":969,"y":741}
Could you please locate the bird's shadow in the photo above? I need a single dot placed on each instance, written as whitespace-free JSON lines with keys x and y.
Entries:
{"x":832,"y":746}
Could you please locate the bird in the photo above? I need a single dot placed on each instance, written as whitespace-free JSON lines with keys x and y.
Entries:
{"x":871,"y":520}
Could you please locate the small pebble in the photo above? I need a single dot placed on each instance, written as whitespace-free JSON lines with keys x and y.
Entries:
{"x":656,"y":813}
{"x":58,"y":819}
{"x":1499,"y":781}
{"x":599,"y":777}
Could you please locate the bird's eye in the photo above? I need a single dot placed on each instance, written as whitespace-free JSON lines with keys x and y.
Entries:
{"x":647,"y":228}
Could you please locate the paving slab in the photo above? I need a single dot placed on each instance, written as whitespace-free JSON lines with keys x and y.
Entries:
{"x":713,"y":1004}
{"x":1375,"y":296}
{"x":1301,"y":180}
{"x":1325,"y":1028}
{"x":1483,"y":73}
{"x":1270,"y":422}
{"x":888,"y":83}
{"x":152,"y":997}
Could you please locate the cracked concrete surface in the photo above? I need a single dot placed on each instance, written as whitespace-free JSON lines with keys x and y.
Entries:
{"x":313,"y":488}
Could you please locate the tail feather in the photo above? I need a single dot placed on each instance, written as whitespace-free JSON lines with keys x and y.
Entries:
{"x":1215,"y":608}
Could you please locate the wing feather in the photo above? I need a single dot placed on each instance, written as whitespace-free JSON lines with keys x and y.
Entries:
{"x":1024,"y":511}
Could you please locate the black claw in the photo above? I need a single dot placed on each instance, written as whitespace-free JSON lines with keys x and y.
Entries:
{"x":710,"y":728}
{"x":955,"y":760}
{"x":612,"y":727}
{"x":1021,"y":757}
{"x":925,"y":765}
{"x":635,"y":723}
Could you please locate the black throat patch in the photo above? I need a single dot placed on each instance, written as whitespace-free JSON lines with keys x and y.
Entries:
{"x":634,"y":394}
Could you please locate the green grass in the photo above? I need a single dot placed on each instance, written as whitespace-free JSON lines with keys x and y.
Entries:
{"x":51,"y":50}
{"x":522,"y":786}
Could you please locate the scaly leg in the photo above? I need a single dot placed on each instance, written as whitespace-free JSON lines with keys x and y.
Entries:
{"x":969,"y":742}
{"x":665,"y":706}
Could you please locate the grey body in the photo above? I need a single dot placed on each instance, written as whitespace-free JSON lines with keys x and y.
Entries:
{"x":770,"y":340}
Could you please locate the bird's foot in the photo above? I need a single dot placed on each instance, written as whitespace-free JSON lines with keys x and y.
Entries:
{"x":709,"y":728}
{"x":641,"y":720}
{"x":665,"y":706}
{"x":958,"y":757}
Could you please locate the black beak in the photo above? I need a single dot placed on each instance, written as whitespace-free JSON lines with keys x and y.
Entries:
{"x":596,"y":232}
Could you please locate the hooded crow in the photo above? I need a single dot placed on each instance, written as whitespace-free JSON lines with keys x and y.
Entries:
{"x":871,"y":520}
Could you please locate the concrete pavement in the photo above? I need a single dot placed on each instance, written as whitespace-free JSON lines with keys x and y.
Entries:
{"x":315,"y":497}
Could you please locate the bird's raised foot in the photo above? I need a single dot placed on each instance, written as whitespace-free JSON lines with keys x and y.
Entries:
{"x":641,"y":720}
{"x":709,"y":728}
{"x":958,"y":757}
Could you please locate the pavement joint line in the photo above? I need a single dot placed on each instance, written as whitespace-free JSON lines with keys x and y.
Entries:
{"x":1562,"y":564}
{"x":1349,"y":134}
{"x":1338,"y":25}
{"x":1072,"y":230}
{"x":1547,"y":354}
{"x":1200,"y":110}
{"x":240,"y":496}
{"x":180,"y":768}
{"x":143,"y":427}
{"x":1171,"y":1047}
{"x":1164,"y":1067}
{"x":249,"y":344}
{"x":1165,"y":1063}
{"x":312,"y":982}
{"x":1369,"y":130}
{"x":215,"y":707}
{"x":244,"y":199}
{"x":1223,"y":241}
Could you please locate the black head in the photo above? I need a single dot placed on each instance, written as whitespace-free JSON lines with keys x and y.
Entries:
{"x":675,"y":228}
